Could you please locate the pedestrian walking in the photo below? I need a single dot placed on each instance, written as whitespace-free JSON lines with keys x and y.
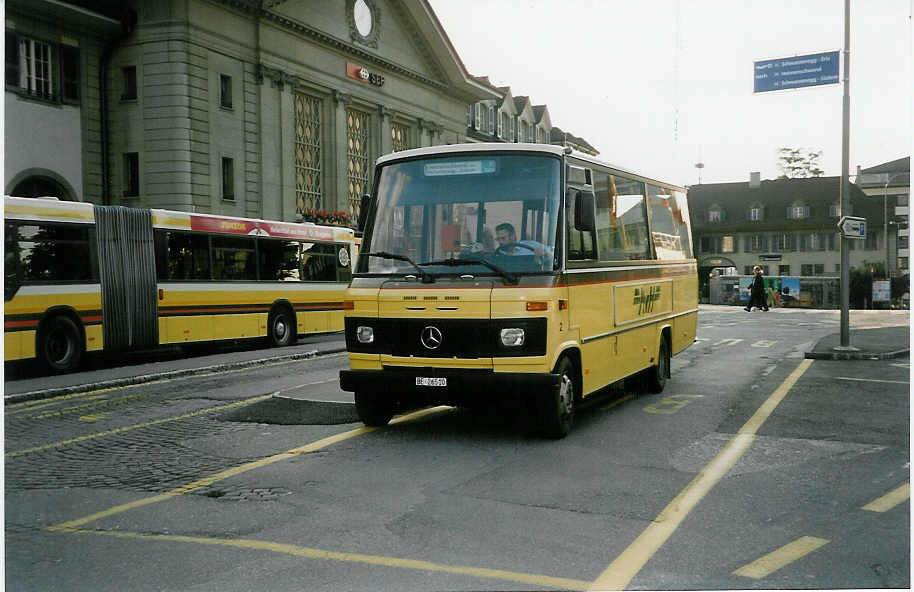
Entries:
{"x":757,"y":296}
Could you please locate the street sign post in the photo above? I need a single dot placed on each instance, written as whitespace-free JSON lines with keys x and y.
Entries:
{"x":852,"y":227}
{"x":813,"y":69}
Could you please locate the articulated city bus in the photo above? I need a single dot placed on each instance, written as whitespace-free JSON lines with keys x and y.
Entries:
{"x":515,"y":271}
{"x":83,"y":278}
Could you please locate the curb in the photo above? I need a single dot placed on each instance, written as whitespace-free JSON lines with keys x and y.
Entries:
{"x":861,"y":355}
{"x":131,"y":380}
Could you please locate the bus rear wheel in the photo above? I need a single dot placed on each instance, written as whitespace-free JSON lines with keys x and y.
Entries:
{"x":655,"y":376}
{"x":60,"y":345}
{"x":556,"y":409}
{"x":373,"y":411}
{"x":282,"y":327}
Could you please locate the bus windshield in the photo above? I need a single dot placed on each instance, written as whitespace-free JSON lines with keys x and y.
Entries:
{"x":476,"y":214}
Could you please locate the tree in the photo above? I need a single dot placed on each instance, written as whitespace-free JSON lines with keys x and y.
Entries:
{"x":799,"y":163}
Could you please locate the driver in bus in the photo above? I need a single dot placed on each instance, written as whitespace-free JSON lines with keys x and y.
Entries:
{"x":508,"y":244}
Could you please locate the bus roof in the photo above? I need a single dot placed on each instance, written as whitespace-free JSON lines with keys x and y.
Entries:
{"x":470,"y":149}
{"x":477,"y":147}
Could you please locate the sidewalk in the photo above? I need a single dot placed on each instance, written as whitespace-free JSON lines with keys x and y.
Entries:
{"x":882,"y":343}
{"x":44,"y":387}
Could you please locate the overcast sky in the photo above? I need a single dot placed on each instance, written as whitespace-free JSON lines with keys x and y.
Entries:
{"x":660,"y":85}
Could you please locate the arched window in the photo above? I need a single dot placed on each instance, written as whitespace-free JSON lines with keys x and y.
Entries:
{"x":38,"y":186}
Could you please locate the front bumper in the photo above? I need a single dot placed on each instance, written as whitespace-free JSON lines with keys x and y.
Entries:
{"x":465,"y":387}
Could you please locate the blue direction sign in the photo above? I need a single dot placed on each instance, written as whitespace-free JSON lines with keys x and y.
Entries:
{"x":796,"y":72}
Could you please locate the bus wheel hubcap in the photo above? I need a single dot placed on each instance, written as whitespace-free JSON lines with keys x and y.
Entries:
{"x":566,"y":395}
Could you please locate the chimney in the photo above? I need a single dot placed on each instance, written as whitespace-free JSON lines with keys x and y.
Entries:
{"x":755,"y":180}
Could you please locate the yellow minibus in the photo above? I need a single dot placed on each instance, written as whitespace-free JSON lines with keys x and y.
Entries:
{"x":520,"y":272}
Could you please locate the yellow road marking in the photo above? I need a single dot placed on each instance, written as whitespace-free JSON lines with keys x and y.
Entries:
{"x":890,"y":500}
{"x":311,"y":553}
{"x":100,"y":400}
{"x":206,"y":481}
{"x":26,"y":406}
{"x":619,"y":401}
{"x":93,"y":416}
{"x":627,"y":565}
{"x":780,"y":558}
{"x":871,"y":380}
{"x":130,"y":428}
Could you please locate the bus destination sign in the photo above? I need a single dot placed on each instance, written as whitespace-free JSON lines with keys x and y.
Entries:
{"x":796,"y":72}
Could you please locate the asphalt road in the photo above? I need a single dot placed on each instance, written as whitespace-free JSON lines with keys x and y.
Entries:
{"x":754,"y":469}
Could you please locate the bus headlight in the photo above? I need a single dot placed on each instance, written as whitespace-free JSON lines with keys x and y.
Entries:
{"x":364,"y":334}
{"x":513,"y":337}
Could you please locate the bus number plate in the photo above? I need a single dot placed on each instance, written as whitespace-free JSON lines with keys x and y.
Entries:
{"x":426,"y":381}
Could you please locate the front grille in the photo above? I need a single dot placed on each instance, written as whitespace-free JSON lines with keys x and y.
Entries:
{"x":460,"y":338}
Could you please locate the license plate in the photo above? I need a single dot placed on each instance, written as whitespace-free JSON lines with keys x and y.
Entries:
{"x":427,"y":381}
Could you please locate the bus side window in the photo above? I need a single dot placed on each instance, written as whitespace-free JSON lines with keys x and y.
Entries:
{"x":319,"y":262}
{"x":10,"y":262}
{"x":233,"y":258}
{"x":622,"y":226}
{"x":280,"y":260}
{"x":186,"y":256}
{"x":54,"y":252}
{"x":668,"y":227}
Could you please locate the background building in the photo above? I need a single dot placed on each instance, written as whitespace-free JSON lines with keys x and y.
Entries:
{"x":55,"y":53}
{"x":788,"y":226}
{"x":889,"y":184}
{"x":237,"y":107}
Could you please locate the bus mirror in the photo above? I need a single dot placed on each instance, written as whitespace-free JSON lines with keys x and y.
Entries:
{"x":363,"y":212}
{"x":583,"y":211}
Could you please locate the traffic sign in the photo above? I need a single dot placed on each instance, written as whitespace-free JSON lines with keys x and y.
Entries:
{"x":797,"y":72}
{"x":852,"y":227}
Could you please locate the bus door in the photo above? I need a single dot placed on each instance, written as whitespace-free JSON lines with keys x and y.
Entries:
{"x":126,"y":261}
{"x":588,"y":294}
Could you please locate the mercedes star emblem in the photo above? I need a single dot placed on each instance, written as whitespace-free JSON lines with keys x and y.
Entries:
{"x":431,"y":337}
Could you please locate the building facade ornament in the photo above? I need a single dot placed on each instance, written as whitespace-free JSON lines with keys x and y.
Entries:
{"x":339,"y":97}
{"x":364,"y":22}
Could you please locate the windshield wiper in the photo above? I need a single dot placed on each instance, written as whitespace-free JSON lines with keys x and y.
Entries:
{"x":510,"y":277}
{"x":426,"y":277}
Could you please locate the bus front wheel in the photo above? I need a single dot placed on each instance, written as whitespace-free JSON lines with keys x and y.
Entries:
{"x":282,"y":328}
{"x":60,"y":346}
{"x":556,"y":409}
{"x":373,"y":411}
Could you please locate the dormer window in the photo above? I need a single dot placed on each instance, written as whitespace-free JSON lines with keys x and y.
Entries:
{"x":756,"y":213}
{"x":797,"y":212}
{"x":834,"y":210}
{"x":715,"y":214}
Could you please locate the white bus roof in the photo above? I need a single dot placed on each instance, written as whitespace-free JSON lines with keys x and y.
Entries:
{"x":472,"y":148}
{"x":477,"y":147}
